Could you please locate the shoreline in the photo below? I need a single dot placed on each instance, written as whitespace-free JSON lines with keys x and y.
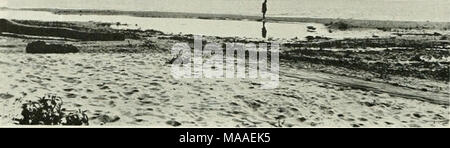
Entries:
{"x":404,"y":48}
{"x":354,"y":23}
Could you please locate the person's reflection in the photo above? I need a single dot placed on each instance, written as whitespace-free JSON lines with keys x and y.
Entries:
{"x":264,"y":11}
{"x":264,"y":30}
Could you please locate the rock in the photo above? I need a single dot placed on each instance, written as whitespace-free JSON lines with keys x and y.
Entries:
{"x":311,"y":28}
{"x":42,"y":47}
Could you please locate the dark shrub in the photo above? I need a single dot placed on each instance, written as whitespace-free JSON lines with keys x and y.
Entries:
{"x":310,"y":38}
{"x":341,"y":25}
{"x":77,"y":118}
{"x":42,"y":47}
{"x":48,"y":111}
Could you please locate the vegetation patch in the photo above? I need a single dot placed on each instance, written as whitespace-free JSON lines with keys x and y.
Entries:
{"x":48,"y":111}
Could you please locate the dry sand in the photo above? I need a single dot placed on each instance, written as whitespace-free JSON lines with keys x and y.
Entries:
{"x":138,"y":90}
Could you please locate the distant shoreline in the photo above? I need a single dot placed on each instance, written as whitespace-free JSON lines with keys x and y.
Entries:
{"x":379,"y":24}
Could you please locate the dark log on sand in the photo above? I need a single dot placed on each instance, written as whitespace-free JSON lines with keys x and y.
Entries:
{"x":16,"y":28}
{"x":42,"y":47}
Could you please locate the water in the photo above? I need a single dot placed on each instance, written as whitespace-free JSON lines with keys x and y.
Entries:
{"x":411,"y":10}
{"x":221,"y":28}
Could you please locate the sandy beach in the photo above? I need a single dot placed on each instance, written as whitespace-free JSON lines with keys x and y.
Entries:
{"x":397,"y":80}
{"x":137,"y":90}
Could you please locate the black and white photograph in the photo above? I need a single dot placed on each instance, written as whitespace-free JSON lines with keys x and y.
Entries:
{"x":225,"y":64}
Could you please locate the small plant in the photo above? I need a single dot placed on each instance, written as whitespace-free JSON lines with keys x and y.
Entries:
{"x":48,"y":111}
{"x":77,"y":118}
{"x":310,"y":38}
{"x":340,"y":25}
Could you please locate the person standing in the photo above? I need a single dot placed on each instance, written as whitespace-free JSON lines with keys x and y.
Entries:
{"x":264,"y":9}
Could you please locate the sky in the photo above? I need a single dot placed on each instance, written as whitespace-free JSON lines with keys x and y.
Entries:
{"x":2,"y":3}
{"x":100,"y":3}
{"x":415,"y":10}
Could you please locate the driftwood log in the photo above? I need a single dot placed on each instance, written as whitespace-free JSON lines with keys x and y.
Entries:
{"x":42,"y":48}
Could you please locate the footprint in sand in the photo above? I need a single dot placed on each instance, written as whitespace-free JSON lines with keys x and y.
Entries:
{"x":6,"y":96}
{"x":362,"y":119}
{"x":357,"y":125}
{"x":68,"y":89}
{"x":154,"y":84}
{"x":131,"y":92}
{"x":139,"y":120}
{"x":418,"y":115}
{"x":302,"y":119}
{"x":104,"y":87}
{"x":173,"y":123}
{"x":154,"y":89}
{"x":388,"y":123}
{"x":71,"y":80}
{"x":70,"y":95}
{"x":107,"y":119}
{"x":114,"y":97}
{"x":112,"y":104}
{"x":234,"y":104}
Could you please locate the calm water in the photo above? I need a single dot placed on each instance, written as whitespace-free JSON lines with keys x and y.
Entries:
{"x":222,"y":28}
{"x":413,"y":10}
